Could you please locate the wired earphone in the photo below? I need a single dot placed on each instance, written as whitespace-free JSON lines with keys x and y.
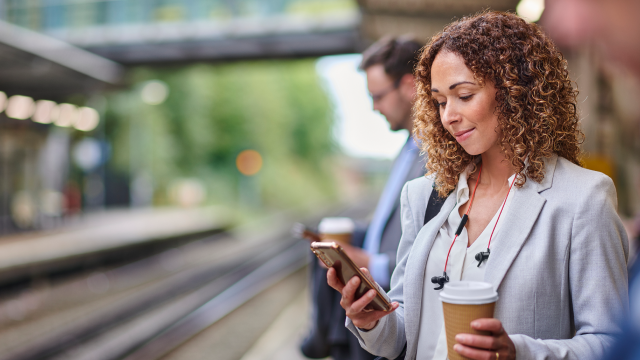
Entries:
{"x":482,"y":255}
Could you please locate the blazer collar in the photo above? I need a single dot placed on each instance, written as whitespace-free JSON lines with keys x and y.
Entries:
{"x":525,"y":207}
{"x":549,"y":168}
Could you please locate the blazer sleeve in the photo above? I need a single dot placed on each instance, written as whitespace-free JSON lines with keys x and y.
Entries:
{"x":597,"y":263}
{"x":387,"y":339}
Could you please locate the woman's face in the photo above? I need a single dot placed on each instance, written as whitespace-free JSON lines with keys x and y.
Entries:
{"x":467,"y":109}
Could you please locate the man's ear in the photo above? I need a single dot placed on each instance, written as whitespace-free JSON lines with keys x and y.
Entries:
{"x":408,"y":86}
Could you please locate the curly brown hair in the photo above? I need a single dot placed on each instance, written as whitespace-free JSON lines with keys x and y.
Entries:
{"x":537,"y":112}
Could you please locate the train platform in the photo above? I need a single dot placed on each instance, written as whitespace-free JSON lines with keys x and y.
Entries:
{"x":103,"y":232}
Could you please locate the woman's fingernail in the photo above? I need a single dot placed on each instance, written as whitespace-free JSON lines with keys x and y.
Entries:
{"x":457,"y":347}
{"x":461,"y":338}
{"x":475,"y":324}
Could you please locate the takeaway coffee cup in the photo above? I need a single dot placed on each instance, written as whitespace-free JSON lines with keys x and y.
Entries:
{"x":463,"y":302}
{"x":337,"y":229}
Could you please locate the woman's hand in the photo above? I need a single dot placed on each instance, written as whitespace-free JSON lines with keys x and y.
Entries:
{"x":498,"y":345}
{"x":355,"y":309}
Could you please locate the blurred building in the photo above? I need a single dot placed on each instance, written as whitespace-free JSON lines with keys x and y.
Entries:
{"x":38,"y":127}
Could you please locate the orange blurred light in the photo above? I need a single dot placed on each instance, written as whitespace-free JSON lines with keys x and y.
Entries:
{"x":249,"y":162}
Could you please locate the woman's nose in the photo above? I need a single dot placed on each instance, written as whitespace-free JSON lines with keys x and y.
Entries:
{"x":449,"y":114}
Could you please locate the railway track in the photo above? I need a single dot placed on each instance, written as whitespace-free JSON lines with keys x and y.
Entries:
{"x":146,"y":309}
{"x":146,"y":303}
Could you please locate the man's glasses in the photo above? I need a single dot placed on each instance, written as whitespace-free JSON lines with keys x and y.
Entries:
{"x":379,"y":96}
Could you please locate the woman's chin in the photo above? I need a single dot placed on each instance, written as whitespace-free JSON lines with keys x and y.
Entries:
{"x":472,"y":150}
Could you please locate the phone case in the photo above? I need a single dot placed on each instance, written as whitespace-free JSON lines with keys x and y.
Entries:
{"x":332,"y":255}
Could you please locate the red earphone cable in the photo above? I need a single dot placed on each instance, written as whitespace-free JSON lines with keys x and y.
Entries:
{"x":473,"y":195}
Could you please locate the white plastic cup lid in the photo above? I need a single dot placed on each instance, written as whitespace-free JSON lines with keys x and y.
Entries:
{"x":468,"y":293}
{"x":336,"y":225}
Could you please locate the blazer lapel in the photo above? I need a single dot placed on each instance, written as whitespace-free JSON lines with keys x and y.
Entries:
{"x":416,"y":266}
{"x":523,"y":212}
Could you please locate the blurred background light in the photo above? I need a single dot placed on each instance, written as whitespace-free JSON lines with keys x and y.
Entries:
{"x":249,"y":162}
{"x":154,"y":92}
{"x":530,"y":10}
{"x":23,"y":209}
{"x":87,"y":154}
{"x":20,"y":107}
{"x":88,"y":119}
{"x":44,"y":111}
{"x":188,"y":192}
{"x":67,"y":116}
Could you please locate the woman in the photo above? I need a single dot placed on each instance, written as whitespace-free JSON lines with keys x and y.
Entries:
{"x":496,"y":108}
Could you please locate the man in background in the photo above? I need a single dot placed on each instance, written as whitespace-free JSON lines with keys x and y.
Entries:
{"x":389,"y":65}
{"x":613,"y":26}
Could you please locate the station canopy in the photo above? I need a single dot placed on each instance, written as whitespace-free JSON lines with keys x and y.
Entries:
{"x":133,"y":32}
{"x":42,"y":67}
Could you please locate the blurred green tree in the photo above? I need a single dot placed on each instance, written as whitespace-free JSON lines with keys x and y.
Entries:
{"x":212,"y":113}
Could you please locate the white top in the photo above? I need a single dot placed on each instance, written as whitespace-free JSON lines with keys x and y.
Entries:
{"x":432,"y":341}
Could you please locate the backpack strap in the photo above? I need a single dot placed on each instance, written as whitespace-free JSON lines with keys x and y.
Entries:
{"x":433,"y":206}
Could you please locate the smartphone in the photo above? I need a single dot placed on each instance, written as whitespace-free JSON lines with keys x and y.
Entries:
{"x":332,"y":255}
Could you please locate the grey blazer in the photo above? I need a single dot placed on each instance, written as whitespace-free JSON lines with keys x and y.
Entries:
{"x":558,"y":264}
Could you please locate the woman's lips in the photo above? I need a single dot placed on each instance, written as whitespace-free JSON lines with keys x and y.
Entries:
{"x":463,"y":134}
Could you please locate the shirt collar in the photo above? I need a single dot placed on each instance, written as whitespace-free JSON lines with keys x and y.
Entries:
{"x":462,"y":190}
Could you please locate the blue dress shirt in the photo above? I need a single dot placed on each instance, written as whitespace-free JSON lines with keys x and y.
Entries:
{"x":379,"y":263}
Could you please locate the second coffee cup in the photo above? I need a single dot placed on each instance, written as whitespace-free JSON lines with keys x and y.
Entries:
{"x":463,"y":302}
{"x":337,"y":229}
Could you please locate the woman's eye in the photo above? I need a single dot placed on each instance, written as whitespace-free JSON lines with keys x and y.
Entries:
{"x":464,"y":98}
{"x":442,"y":104}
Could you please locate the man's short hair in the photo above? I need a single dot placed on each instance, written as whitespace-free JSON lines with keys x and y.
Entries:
{"x":398,"y":55}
